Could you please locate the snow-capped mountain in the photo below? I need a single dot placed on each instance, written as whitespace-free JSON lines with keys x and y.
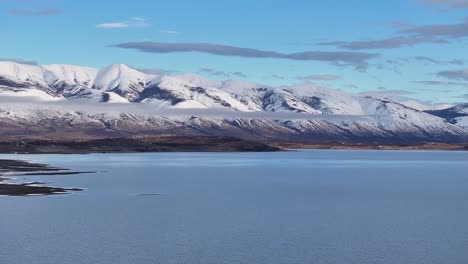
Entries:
{"x":457,"y":115}
{"x":304,"y":112}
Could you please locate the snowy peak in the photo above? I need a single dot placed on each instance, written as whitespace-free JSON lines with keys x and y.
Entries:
{"x":13,"y":71}
{"x":122,"y":80}
{"x":73,"y":75}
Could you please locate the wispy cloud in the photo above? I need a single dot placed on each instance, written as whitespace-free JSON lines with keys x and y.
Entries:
{"x":38,"y":12}
{"x":319,"y":77}
{"x":442,"y":83}
{"x":457,"y":30}
{"x":157,"y":71}
{"x":396,"y":64}
{"x":435,"y":61}
{"x":356,"y":59}
{"x":112,"y":25}
{"x":216,"y":72}
{"x":387,"y":43}
{"x":134,"y":22}
{"x":387,"y":92}
{"x":454,"y":74}
{"x":409,"y":37}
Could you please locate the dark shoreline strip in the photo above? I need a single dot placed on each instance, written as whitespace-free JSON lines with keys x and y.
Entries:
{"x":18,"y":168}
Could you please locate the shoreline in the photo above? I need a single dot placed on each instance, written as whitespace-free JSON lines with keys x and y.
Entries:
{"x":169,"y":143}
{"x":15,"y":169}
{"x":139,"y":144}
{"x":364,"y":146}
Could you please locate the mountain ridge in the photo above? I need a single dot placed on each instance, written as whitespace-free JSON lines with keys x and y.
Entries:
{"x":386,"y":118}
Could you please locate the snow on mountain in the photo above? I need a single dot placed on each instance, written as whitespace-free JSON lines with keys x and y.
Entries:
{"x":393,"y":116}
{"x":190,"y":104}
{"x":462,"y":122}
{"x":111,"y":97}
{"x":363,"y":115}
{"x":462,"y":109}
{"x":422,"y":106}
{"x":178,"y":91}
{"x":31,"y":74}
{"x":328,"y":101}
{"x":56,"y":74}
{"x":457,"y":115}
{"x":409,"y":102}
{"x":122,"y":80}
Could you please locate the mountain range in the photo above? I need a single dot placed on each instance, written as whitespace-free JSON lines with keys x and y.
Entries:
{"x":74,"y":101}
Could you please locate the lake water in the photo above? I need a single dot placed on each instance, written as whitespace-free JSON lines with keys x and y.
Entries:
{"x":330,"y":207}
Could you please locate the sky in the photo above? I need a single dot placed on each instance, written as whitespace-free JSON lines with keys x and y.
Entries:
{"x":412,"y":48}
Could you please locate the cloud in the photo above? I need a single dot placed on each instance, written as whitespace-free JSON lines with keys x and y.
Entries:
{"x":356,"y":59}
{"x":389,"y":91}
{"x":134,"y":22}
{"x":454,"y":74}
{"x":442,"y":83}
{"x":388,"y":43}
{"x":157,"y":71}
{"x":38,"y":12}
{"x":20,"y":61}
{"x":212,"y":71}
{"x":112,"y":25}
{"x":216,"y":72}
{"x":82,"y":106}
{"x":239,"y":74}
{"x":457,"y":30}
{"x":409,"y":37}
{"x":319,"y":77}
{"x":395,"y":64}
{"x":435,"y":61}
{"x":446,"y":4}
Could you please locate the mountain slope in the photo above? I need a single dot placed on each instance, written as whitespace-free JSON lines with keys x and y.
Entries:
{"x":457,"y":115}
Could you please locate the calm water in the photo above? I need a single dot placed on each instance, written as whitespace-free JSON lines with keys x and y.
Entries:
{"x":334,"y":207}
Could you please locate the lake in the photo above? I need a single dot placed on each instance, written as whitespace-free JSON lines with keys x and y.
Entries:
{"x":318,"y":206}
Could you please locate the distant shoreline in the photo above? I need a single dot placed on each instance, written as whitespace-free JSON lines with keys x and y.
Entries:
{"x":139,"y":144}
{"x":169,"y":143}
{"x":373,"y":146}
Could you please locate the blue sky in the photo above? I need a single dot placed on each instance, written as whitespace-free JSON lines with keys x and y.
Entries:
{"x":415,"y":48}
